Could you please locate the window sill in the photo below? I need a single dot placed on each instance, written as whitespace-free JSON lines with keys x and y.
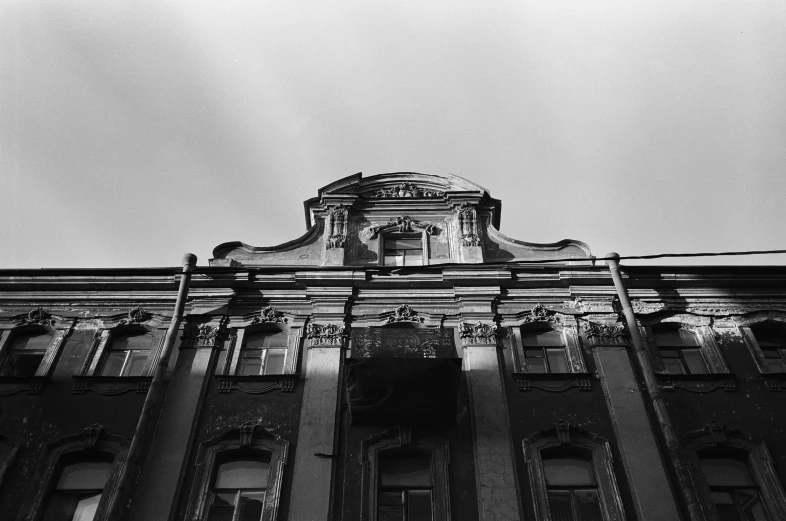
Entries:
{"x":110,"y":385}
{"x":774,"y":381}
{"x":553,"y":382}
{"x":256,"y":384}
{"x":697,"y":383}
{"x":16,"y":384}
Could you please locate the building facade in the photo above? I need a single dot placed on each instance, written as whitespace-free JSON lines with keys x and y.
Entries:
{"x":403,"y":360}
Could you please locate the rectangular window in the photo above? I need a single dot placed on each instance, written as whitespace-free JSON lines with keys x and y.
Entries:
{"x":127,"y":355}
{"x":544,"y":352}
{"x":680,"y":351}
{"x":405,"y":487}
{"x":772,"y":342}
{"x":25,"y":353}
{"x":263,"y":353}
{"x":403,"y":250}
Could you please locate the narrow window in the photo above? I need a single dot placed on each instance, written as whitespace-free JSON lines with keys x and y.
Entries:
{"x":544,"y":352}
{"x":732,"y":488}
{"x":127,"y":355}
{"x":25,"y":353}
{"x":680,"y":351}
{"x":78,"y":491}
{"x":772,"y":342}
{"x":403,"y":249}
{"x":570,"y":485}
{"x":239,"y":490}
{"x":405,"y":487}
{"x":263,"y":353}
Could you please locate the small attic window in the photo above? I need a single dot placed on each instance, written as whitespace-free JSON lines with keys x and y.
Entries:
{"x":403,"y":249}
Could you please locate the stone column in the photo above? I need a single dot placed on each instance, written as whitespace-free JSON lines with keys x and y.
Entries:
{"x":647,"y":477}
{"x":161,"y":479}
{"x":494,"y":460}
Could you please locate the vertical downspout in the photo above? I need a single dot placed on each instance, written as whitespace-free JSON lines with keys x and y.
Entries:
{"x":662,"y":415}
{"x":130,"y":465}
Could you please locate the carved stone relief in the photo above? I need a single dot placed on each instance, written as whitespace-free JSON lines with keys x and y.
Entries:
{"x":136,"y":315}
{"x":479,"y":333}
{"x":604,"y":333}
{"x":337,"y":227}
{"x":541,"y":314}
{"x":468,"y":227}
{"x":328,"y":334}
{"x":269,"y":314}
{"x":401,"y":224}
{"x":406,"y":190}
{"x":404,"y":313}
{"x":36,"y":316}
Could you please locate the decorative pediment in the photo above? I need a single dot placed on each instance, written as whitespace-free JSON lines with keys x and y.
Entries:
{"x":36,"y":316}
{"x":269,"y":314}
{"x":405,"y":190}
{"x":541,"y":314}
{"x":404,"y":313}
{"x":401,"y":224}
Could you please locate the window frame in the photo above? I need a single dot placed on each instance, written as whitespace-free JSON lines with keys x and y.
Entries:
{"x":389,"y":234}
{"x":749,"y":336}
{"x":234,"y":346}
{"x":47,"y":363}
{"x":760,"y":464}
{"x":102,"y":346}
{"x":563,"y":435}
{"x":93,"y":440}
{"x":250,"y":439}
{"x":708,"y":347}
{"x":570,"y":337}
{"x":398,"y":438}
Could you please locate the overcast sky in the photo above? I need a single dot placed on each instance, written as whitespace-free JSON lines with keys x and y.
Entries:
{"x":133,"y":132}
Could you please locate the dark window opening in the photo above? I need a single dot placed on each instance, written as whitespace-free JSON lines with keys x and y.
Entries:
{"x":405,"y":487}
{"x":25,"y":354}
{"x":732,"y":488}
{"x":571,"y":486}
{"x":239,"y":488}
{"x":680,"y":351}
{"x":78,"y":491}
{"x":772,"y":342}
{"x":544,"y":352}
{"x":127,"y":355}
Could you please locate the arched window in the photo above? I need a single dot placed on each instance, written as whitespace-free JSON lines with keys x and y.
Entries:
{"x":25,"y":351}
{"x":732,"y":487}
{"x":544,"y":351}
{"x":680,"y":350}
{"x":734,"y":474}
{"x":571,"y":485}
{"x":78,"y":490}
{"x":239,"y":487}
{"x":239,"y":476}
{"x":571,"y":476}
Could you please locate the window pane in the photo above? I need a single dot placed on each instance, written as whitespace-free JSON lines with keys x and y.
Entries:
{"x":135,"y":365}
{"x":138,"y":342}
{"x":775,"y":365}
{"x":394,"y":260}
{"x":250,"y":362}
{"x":559,"y":505}
{"x":86,"y":508}
{"x":60,"y":507}
{"x":413,"y":258}
{"x":391,"y":497}
{"x":770,"y":336}
{"x":113,"y":363}
{"x":419,"y":505}
{"x":751,"y":505}
{"x":694,"y":361}
{"x":726,"y":472}
{"x":673,"y":365}
{"x":724,"y":504}
{"x":413,"y":243}
{"x":404,"y":470}
{"x":34,"y":342}
{"x":251,"y":505}
{"x":86,"y":475}
{"x":20,"y":363}
{"x":587,"y":505}
{"x":274,"y":361}
{"x":536,"y":365}
{"x":558,"y":363}
{"x":223,"y":507}
{"x":568,"y":472}
{"x":542,"y":338}
{"x":675,"y":337}
{"x":266,"y":340}
{"x":242,"y":474}
{"x":391,"y":513}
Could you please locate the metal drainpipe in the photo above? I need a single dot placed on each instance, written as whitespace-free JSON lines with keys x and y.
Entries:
{"x":672,"y":443}
{"x":130,"y":465}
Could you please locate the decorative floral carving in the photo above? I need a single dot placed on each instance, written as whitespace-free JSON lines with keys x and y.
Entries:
{"x":401,"y":224}
{"x":563,"y":431}
{"x":201,"y":335}
{"x":404,"y":313}
{"x":647,"y":307}
{"x":541,"y":314}
{"x":604,"y":333}
{"x":269,"y":314}
{"x":467,"y":218}
{"x":328,"y":334}
{"x":36,"y":316}
{"x":406,"y":190}
{"x":136,"y":316}
{"x":480,"y":332}
{"x":337,"y":227}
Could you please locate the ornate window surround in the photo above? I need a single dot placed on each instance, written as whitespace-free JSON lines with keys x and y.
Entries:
{"x":88,"y":378}
{"x":37,"y":320}
{"x":248,"y":438}
{"x":773,"y":381}
{"x":402,"y":437}
{"x":270,"y":320}
{"x":563,"y":434}
{"x":759,"y":461}
{"x":541,"y":318}
{"x":93,"y":439}
{"x":718,"y":376}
